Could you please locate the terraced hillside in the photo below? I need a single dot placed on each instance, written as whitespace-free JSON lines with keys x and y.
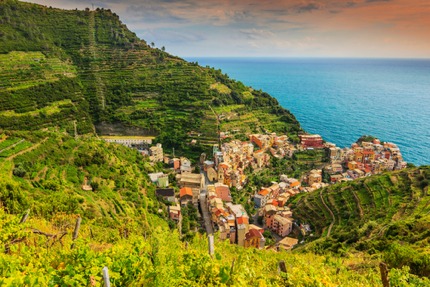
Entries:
{"x":388,"y":213}
{"x":124,"y":227}
{"x":39,"y":169}
{"x":111,"y":78}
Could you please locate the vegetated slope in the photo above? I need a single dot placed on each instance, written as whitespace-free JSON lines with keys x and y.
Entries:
{"x":124,"y":227}
{"x":46,"y":172}
{"x":92,"y":59}
{"x":386,"y":214}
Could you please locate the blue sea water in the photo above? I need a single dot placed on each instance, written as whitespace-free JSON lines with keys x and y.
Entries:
{"x":342,"y":99}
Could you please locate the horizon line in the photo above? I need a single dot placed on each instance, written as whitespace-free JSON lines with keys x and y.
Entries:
{"x":310,"y":57}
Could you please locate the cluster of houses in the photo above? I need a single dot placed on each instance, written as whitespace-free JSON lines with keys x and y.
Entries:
{"x":190,"y":185}
{"x":272,"y":203}
{"x":230,"y":162}
{"x":278,"y":146}
{"x":276,"y":216}
{"x":232,"y":220}
{"x":227,"y":170}
{"x":363,"y":159}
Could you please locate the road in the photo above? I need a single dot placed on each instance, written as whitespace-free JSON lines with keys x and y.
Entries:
{"x":205,"y":213}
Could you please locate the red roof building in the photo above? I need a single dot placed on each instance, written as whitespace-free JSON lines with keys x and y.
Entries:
{"x":311,"y":141}
{"x":223,"y":192}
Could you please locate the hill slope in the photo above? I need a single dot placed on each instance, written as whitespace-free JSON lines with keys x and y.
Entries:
{"x":124,"y":227}
{"x":388,"y":213}
{"x":114,"y":80}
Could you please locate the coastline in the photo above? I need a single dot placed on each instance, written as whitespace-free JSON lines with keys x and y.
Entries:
{"x":342,"y":102}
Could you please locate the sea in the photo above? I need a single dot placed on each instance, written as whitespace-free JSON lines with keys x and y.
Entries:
{"x":343,"y":99}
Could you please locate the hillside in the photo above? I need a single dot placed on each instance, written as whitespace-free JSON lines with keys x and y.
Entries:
{"x":124,"y":227}
{"x":60,"y":66}
{"x":68,"y":75}
{"x":386,"y":215}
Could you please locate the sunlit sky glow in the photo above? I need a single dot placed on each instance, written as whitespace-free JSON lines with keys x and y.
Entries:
{"x":276,"y":28}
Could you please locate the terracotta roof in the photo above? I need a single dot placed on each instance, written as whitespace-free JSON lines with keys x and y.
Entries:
{"x":223,"y":165}
{"x":185,"y":191}
{"x":263,"y":192}
{"x":294,"y":184}
{"x":253,"y":233}
{"x":223,"y":192}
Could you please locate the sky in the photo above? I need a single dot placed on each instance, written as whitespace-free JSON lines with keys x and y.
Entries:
{"x":275,"y":28}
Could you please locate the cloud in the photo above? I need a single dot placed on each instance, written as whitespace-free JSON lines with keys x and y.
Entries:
{"x":372,"y":1}
{"x":257,"y":34}
{"x":274,"y":27}
{"x":174,"y":37}
{"x":308,"y":7}
{"x":148,"y":12}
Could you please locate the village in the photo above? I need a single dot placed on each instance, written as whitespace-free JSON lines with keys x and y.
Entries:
{"x":207,"y":186}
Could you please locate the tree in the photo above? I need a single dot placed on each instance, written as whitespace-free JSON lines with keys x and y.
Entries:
{"x":163,"y":48}
{"x":94,"y":185}
{"x":152,"y":44}
{"x":19,"y":171}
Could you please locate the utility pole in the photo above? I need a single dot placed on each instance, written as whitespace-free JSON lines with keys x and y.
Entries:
{"x":76,"y":129}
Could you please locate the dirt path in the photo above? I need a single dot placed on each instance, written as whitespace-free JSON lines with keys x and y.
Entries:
{"x":40,"y":174}
{"x":11,"y":146}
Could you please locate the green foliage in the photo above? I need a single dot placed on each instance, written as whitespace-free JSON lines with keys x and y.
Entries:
{"x":404,"y":255}
{"x":12,"y":198}
{"x":123,"y":229}
{"x":157,"y":257}
{"x":110,"y":76}
{"x":385,"y":214}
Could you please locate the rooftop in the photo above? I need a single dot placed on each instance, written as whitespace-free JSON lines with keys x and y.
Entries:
{"x":253,"y":233}
{"x":165,"y":191}
{"x":282,"y":220}
{"x":185,"y":191}
{"x":289,"y":242}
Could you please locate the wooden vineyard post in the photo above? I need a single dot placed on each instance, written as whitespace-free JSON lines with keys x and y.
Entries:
{"x":232,"y":267}
{"x":211,"y":244}
{"x":106,"y":277}
{"x":282,"y":270}
{"x":282,"y":267}
{"x":76,"y":231}
{"x":24,"y":217}
{"x":384,"y":274}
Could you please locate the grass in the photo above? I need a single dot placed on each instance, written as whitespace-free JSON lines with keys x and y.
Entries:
{"x":221,"y":88}
{"x":247,"y":95}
